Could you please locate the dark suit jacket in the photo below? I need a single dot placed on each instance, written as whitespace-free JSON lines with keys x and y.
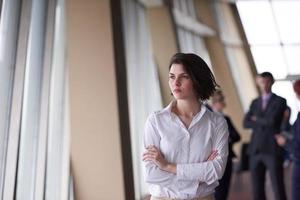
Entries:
{"x":296,"y":139}
{"x":268,"y":123}
{"x":234,"y":136}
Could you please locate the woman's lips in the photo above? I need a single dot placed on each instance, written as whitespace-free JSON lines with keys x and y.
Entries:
{"x":176,"y":90}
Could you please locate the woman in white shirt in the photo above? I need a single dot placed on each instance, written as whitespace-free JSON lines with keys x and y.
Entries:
{"x":186,"y":145}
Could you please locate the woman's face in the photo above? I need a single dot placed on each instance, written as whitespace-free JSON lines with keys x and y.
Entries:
{"x":220,"y":104}
{"x":180,"y":82}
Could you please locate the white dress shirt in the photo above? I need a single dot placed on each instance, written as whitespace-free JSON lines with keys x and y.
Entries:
{"x":189,"y":148}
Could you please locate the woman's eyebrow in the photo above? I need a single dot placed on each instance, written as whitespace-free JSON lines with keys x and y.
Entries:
{"x":179,"y":74}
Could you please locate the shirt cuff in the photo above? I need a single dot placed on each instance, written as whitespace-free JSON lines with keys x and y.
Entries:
{"x":180,"y":171}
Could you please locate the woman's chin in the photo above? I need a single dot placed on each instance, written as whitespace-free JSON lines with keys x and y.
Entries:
{"x":179,"y":97}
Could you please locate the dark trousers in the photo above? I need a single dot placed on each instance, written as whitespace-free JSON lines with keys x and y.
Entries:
{"x":259,"y":163}
{"x":222,"y":190}
{"x":296,"y":182}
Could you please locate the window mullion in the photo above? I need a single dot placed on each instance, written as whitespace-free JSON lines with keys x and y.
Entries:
{"x":16,"y":101}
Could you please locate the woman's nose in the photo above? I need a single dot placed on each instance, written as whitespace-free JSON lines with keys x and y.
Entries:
{"x":176,"y":82}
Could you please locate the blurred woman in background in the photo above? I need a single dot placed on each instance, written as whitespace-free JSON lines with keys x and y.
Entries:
{"x":218,"y":104}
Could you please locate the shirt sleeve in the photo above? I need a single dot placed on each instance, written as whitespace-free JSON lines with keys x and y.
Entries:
{"x":153,"y":174}
{"x":209,"y":171}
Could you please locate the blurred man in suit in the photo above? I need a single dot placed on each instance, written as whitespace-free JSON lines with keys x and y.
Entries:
{"x":265,"y":118}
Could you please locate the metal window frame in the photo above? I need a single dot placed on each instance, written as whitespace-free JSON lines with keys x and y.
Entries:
{"x":122,"y":88}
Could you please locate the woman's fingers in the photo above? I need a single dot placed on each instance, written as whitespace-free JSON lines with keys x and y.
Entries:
{"x":213,"y":155}
{"x":154,"y":150}
{"x":150,"y":154}
{"x":151,"y":148}
{"x":154,"y":155}
{"x":148,"y":158}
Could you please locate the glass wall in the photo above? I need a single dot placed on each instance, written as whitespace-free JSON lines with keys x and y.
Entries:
{"x":9,"y":26}
{"x":34,"y":136}
{"x":273,"y":32}
{"x":143,"y":84}
{"x":190,"y":31}
{"x":235,"y":52}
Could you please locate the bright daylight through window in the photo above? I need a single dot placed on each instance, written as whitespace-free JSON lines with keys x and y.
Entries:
{"x":273,"y":32}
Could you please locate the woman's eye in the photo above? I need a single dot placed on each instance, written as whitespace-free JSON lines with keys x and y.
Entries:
{"x":186,"y":77}
{"x":171,"y":77}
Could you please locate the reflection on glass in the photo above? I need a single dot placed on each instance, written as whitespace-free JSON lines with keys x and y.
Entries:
{"x":287,"y":15}
{"x":270,"y":58}
{"x":258,"y":22}
{"x":292,"y":54}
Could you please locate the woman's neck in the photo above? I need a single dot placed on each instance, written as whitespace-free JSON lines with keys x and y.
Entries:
{"x":187,"y":108}
{"x":216,"y":109}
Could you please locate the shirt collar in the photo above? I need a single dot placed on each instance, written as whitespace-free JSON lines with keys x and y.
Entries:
{"x":199,"y":115}
{"x":266,"y":96}
{"x":220,"y":113}
{"x":196,"y":118}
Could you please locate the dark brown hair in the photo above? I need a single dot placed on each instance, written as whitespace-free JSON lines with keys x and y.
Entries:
{"x":267,"y":75}
{"x":203,"y":79}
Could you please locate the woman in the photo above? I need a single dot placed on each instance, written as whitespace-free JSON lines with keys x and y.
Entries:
{"x":218,"y":104}
{"x":186,"y":145}
{"x":293,"y":145}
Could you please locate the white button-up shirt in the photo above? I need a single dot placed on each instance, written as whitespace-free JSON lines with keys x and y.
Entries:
{"x":189,"y":148}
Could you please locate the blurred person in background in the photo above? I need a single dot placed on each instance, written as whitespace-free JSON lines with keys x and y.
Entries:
{"x":292,"y":144}
{"x":218,"y":104}
{"x":265,"y":118}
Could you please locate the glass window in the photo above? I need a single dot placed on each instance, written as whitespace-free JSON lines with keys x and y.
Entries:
{"x":258,"y":22}
{"x":273,"y":32}
{"x":191,"y":9}
{"x":57,"y":170}
{"x":287,"y":15}
{"x":9,"y":21}
{"x":292,"y":53}
{"x":184,"y":7}
{"x":176,"y":4}
{"x":235,"y":53}
{"x":144,"y":97}
{"x":285,"y":89}
{"x":25,"y":56}
{"x":270,"y":58}
{"x":190,"y":41}
{"x":29,"y":135}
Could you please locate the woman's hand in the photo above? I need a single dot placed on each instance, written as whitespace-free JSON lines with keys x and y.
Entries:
{"x":154,"y":155}
{"x":213,"y":155}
